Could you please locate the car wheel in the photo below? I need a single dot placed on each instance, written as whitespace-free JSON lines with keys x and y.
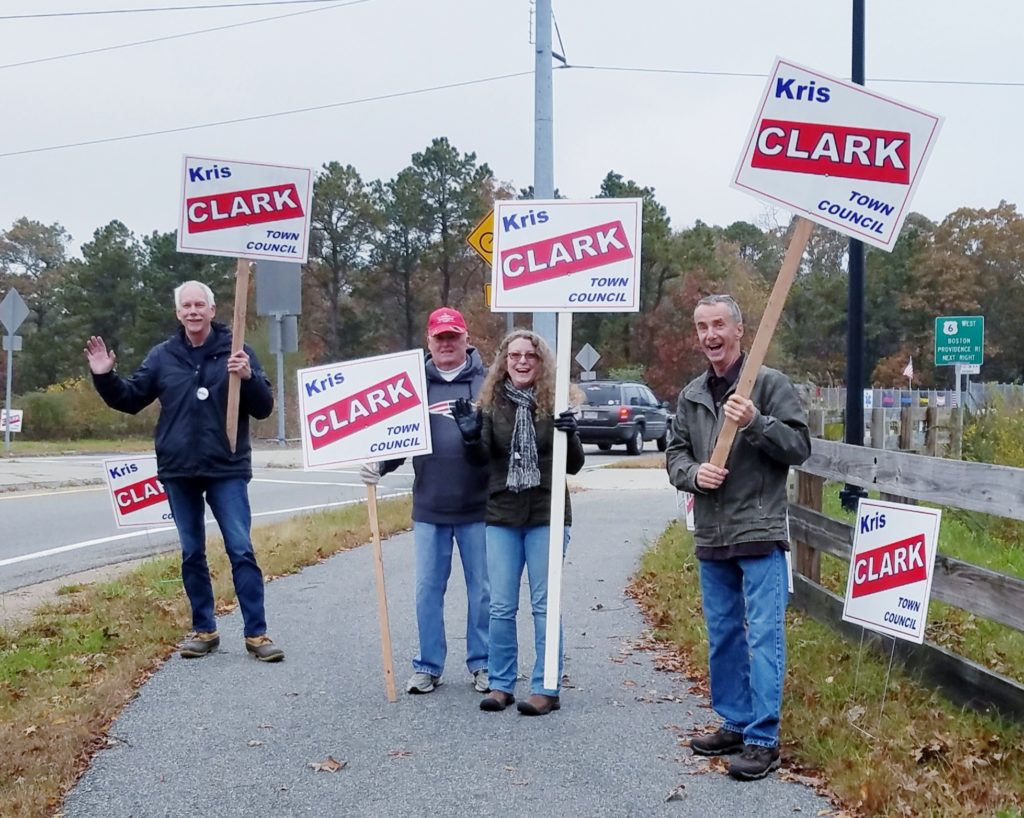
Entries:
{"x":604,"y":446}
{"x":663,"y":442}
{"x":635,"y":444}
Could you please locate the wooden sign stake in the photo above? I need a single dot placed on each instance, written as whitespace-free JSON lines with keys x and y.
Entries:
{"x":765,"y":331}
{"x":237,"y":340}
{"x":382,"y":599}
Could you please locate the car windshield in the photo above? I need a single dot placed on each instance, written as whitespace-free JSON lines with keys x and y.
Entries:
{"x":600,"y":394}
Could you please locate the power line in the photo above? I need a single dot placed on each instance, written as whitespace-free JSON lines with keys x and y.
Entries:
{"x":119,"y":46}
{"x":698,"y":73}
{"x":163,"y":8}
{"x":257,"y":117}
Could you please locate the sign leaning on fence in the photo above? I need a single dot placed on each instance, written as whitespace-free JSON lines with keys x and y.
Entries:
{"x":891,"y":568}
{"x":564,"y":256}
{"x":137,"y":496}
{"x":836,"y":153}
{"x":362,"y":410}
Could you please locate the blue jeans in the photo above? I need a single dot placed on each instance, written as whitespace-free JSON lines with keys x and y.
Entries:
{"x":433,"y":567}
{"x":508,"y":550}
{"x":229,"y":502}
{"x":745,"y":611}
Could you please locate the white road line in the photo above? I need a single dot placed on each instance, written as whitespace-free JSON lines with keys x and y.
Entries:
{"x":17,"y":495}
{"x":307,"y":483}
{"x":49,"y":552}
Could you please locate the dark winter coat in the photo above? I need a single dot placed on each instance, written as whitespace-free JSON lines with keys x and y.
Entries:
{"x":191,"y":438}
{"x":532,"y":506}
{"x":447,"y":488}
{"x":751,"y":505}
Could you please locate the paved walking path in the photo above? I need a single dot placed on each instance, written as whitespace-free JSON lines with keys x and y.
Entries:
{"x":227,"y":736}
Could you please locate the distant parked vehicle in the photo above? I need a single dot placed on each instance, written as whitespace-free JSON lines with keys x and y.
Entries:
{"x":622,"y":412}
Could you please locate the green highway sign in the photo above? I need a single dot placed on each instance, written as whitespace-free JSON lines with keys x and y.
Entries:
{"x":959,"y":339}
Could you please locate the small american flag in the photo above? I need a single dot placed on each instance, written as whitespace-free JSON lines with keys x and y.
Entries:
{"x":442,"y":407}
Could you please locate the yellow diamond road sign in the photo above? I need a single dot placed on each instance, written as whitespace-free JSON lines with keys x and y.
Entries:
{"x":482,"y":237}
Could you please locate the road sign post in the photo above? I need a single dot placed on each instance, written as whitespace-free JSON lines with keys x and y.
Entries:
{"x":13,"y":311}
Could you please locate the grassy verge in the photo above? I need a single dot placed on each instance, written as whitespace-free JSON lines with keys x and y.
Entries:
{"x":65,"y":675}
{"x":916,"y":756}
{"x":32,"y":448}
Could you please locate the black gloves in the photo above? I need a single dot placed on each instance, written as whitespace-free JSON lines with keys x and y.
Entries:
{"x":468,"y":419}
{"x":566,"y":422}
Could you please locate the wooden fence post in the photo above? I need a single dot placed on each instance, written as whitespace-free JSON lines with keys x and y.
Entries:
{"x":809,"y":490}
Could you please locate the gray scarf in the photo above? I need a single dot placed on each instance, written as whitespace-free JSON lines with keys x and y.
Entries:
{"x":523,"y":470}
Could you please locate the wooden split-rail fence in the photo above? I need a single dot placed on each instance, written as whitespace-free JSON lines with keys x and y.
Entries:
{"x":905,"y":477}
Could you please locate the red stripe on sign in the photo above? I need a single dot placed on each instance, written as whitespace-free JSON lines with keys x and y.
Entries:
{"x":140,"y":495}
{"x":361,"y":410}
{"x":564,"y":255}
{"x":243,"y":207}
{"x":893,"y":565}
{"x":833,"y":150}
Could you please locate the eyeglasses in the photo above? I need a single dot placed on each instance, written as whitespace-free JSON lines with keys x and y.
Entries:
{"x":529,"y":357}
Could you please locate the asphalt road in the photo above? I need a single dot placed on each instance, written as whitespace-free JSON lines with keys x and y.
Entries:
{"x":59,"y":530}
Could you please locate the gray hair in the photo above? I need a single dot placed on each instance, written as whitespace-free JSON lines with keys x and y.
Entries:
{"x":206,"y":292}
{"x":734,"y":308}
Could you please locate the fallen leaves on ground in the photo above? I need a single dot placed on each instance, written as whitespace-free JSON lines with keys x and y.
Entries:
{"x":328,"y":765}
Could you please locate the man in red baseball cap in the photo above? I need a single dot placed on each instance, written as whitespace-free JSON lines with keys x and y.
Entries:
{"x":449,"y":499}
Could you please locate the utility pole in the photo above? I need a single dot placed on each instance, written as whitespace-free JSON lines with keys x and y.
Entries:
{"x":854,"y":434}
{"x":543,"y":139}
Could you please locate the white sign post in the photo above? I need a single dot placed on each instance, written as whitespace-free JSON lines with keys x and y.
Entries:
{"x":246,"y":210}
{"x":891,"y":568}
{"x":564,"y":256}
{"x":836,"y":153}
{"x":138,"y":498}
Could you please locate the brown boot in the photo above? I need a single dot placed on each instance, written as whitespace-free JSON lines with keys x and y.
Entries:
{"x":496,"y":700}
{"x":263,"y":648}
{"x":198,"y":644}
{"x":538,"y":705}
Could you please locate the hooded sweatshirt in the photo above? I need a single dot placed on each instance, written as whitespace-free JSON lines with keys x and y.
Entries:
{"x":447,"y":489}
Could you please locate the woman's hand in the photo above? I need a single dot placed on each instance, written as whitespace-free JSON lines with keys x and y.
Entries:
{"x":469,"y":420}
{"x":566,"y":422}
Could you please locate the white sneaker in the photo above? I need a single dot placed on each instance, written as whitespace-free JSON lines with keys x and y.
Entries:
{"x":481,"y":682}
{"x":422,"y":683}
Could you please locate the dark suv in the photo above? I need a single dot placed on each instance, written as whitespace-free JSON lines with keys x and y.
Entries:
{"x":615,"y":412}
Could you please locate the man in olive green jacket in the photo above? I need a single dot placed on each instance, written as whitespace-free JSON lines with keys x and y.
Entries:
{"x":741,"y":533}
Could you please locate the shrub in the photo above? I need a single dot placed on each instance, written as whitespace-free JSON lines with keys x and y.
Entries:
{"x":72,"y":410}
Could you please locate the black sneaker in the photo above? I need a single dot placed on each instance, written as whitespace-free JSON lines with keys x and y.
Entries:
{"x":719,"y":743}
{"x":754,"y":762}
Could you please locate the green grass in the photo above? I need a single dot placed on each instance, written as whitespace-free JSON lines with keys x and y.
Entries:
{"x":917,"y":756}
{"x":66,"y":673}
{"x":33,"y":448}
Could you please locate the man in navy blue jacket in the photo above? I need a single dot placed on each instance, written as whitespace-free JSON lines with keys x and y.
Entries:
{"x":449,"y":498}
{"x":188,"y":374}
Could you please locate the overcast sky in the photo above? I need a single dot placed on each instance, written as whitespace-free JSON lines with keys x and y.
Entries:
{"x":680,"y":133}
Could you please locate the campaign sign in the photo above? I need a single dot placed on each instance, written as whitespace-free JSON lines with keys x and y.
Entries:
{"x":138,"y":497}
{"x":367,"y":409}
{"x":245,"y":209}
{"x":16,"y":417}
{"x":685,"y":504}
{"x":565,"y":256}
{"x":891,"y":568}
{"x":836,"y":153}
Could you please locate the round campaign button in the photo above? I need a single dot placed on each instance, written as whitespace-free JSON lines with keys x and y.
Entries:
{"x":202,"y":393}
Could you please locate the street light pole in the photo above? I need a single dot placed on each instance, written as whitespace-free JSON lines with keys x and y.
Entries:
{"x":854,"y":434}
{"x":543,"y":139}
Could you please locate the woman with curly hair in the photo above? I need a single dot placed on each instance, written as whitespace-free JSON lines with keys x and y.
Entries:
{"x":514,"y":431}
